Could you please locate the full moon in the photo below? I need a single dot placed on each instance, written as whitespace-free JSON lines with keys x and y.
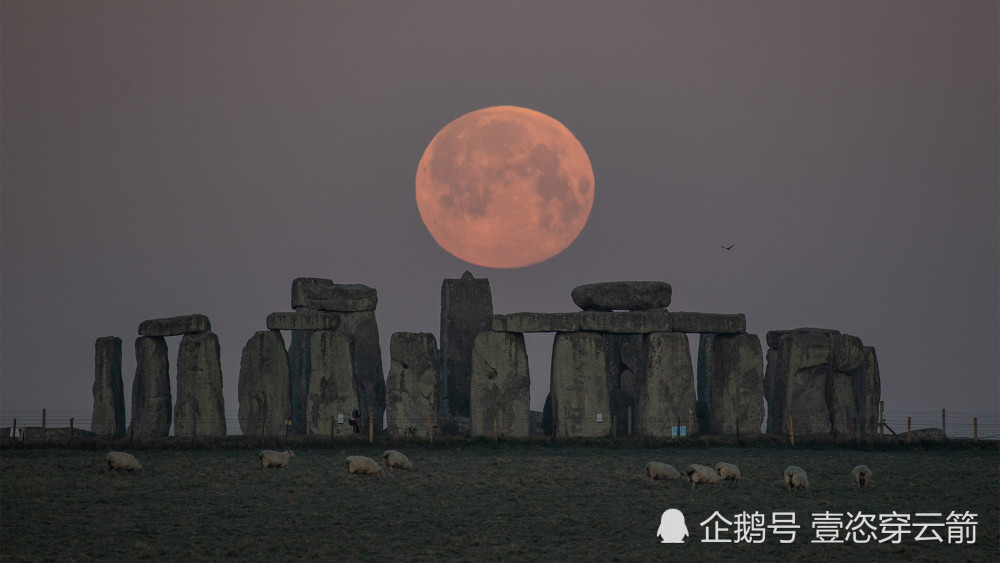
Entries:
{"x":504,"y":187}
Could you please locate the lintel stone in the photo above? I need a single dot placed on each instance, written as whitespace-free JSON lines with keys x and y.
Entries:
{"x":175,"y":326}
{"x":715,"y":323}
{"x":537,"y":322}
{"x":303,"y":320}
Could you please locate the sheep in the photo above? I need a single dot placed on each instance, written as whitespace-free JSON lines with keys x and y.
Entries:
{"x":728,"y":472}
{"x":796,"y":477}
{"x":861,"y":476}
{"x":362,"y":464}
{"x":394,"y":459}
{"x":122,"y":461}
{"x":702,"y":474}
{"x":656,"y":470}
{"x":271,"y":458}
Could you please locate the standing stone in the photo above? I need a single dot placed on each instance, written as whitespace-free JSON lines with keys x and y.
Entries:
{"x":578,"y":387}
{"x":731,"y":384}
{"x":151,"y":398}
{"x":109,"y":391}
{"x":200,"y":410}
{"x":299,"y":370}
{"x":412,"y":386}
{"x":466,"y":310}
{"x":263,"y":387}
{"x":667,"y":395}
{"x":362,"y":328}
{"x":500,"y":386}
{"x":625,"y":375}
{"x":867,"y":387}
{"x":333,"y":390}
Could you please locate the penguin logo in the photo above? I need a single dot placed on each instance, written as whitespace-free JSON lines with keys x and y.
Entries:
{"x":672,"y":527}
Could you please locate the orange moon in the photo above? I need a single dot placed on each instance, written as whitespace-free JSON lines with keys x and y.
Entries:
{"x":505,"y":187}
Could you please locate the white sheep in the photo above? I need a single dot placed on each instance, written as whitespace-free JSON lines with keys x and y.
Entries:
{"x":271,"y":458}
{"x":861,"y":476}
{"x":394,"y":459}
{"x":362,"y":464}
{"x":656,"y":470}
{"x":796,"y":477}
{"x":122,"y":461}
{"x":728,"y":472}
{"x":702,"y":474}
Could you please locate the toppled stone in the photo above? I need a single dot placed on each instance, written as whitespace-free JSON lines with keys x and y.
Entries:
{"x":537,"y":322}
{"x":681,"y":321}
{"x":633,"y":322}
{"x":303,"y":320}
{"x":730,"y":384}
{"x":411,"y":390}
{"x":466,"y":310}
{"x":667,"y":396}
{"x":324,"y":295}
{"x":578,"y":388}
{"x":175,"y":326}
{"x":263,"y":387}
{"x":333,"y":390}
{"x":500,"y":386}
{"x":622,"y":295}
{"x":109,"y":391}
{"x":151,"y":398}
{"x":200,"y":410}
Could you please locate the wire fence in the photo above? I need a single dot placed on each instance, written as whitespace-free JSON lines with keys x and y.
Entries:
{"x":48,"y":425}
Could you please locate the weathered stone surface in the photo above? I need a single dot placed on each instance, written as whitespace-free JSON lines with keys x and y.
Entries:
{"x":175,"y":326}
{"x":363,"y":329}
{"x":109,"y":391}
{"x":200,"y":410}
{"x":303,"y":320}
{"x":537,"y":322}
{"x":411,"y":390}
{"x":500,"y":386}
{"x":264,"y":385}
{"x":867,"y":388}
{"x":466,"y":310}
{"x":667,"y":395}
{"x":333,"y":388}
{"x":324,"y":295}
{"x":824,"y":381}
{"x":681,"y":321}
{"x":622,"y":295}
{"x":625,"y":373}
{"x":151,"y":397}
{"x":299,"y":371}
{"x":578,"y":387}
{"x":730,"y":384}
{"x":632,"y":322}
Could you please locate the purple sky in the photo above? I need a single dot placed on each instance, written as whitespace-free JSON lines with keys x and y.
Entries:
{"x":166,"y":158}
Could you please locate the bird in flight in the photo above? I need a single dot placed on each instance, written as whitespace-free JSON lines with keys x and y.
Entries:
{"x":727,"y":247}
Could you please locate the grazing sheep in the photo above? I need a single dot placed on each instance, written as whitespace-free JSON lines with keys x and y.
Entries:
{"x":699,"y":474}
{"x":656,"y":470}
{"x":796,"y":477}
{"x":862,"y":476}
{"x":394,"y":459}
{"x":271,"y":458}
{"x":728,"y":472}
{"x":122,"y":461}
{"x":362,"y":464}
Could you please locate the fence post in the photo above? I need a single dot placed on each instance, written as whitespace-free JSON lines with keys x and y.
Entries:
{"x":944,"y":431}
{"x":737,"y":428}
{"x":371,"y":428}
{"x":908,"y":430}
{"x":855,"y":431}
{"x":495,"y":437}
{"x":430,"y":426}
{"x":881,"y":418}
{"x":678,"y":428}
{"x":13,"y":431}
{"x":975,"y":429}
{"x":791,"y":429}
{"x":628,"y":423}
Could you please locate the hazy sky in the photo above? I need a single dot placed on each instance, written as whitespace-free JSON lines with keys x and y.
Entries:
{"x":167,"y":158}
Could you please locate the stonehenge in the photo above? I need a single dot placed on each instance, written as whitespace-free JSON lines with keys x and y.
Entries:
{"x":622,"y":365}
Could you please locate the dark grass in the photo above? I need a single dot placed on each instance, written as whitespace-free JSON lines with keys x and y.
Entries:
{"x":472,"y":500}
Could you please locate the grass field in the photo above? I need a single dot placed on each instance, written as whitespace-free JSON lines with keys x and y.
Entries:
{"x":473,"y":502}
